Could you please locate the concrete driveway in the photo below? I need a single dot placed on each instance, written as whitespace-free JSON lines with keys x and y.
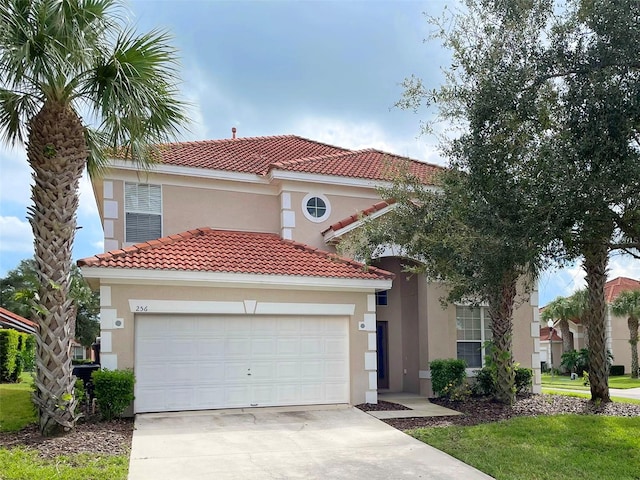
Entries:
{"x":328,"y":442}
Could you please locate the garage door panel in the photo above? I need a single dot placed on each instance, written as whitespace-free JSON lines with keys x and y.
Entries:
{"x":263,"y":346}
{"x":288,"y":347}
{"x":203,"y":362}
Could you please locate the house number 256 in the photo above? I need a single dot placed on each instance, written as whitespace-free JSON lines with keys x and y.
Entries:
{"x":142,"y":308}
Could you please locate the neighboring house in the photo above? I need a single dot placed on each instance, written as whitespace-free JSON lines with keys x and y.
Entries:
{"x":553,"y":342}
{"x":9,"y":319}
{"x":221,"y":287}
{"x":617,"y":329}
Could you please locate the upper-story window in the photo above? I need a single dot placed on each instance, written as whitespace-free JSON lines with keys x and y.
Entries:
{"x":316,"y":207}
{"x":143,"y":212}
{"x":474,"y":328}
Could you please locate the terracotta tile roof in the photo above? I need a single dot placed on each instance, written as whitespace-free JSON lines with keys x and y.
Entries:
{"x":363,"y":213}
{"x":245,"y":154}
{"x":544,"y":334}
{"x":259,"y":155}
{"x":209,"y":250}
{"x":615,"y":287}
{"x":368,"y":164}
{"x":8,"y":319}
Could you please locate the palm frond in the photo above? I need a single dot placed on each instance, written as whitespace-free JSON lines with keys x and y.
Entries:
{"x":15,"y":109}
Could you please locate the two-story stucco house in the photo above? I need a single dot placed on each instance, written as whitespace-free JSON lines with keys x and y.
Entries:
{"x":221,"y":288}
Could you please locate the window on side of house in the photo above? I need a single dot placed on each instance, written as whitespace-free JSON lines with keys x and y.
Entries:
{"x":473,"y":330}
{"x":77,"y":352}
{"x":143,"y":212}
{"x":382,"y":298}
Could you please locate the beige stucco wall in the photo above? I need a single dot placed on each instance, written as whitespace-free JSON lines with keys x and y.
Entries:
{"x":188,"y":207}
{"x":342,"y":206}
{"x":122,"y":339}
{"x":620,"y":347}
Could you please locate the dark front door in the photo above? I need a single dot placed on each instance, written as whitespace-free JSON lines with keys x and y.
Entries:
{"x":382,"y":346}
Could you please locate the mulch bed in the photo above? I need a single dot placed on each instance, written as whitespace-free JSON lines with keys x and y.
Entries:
{"x":381,"y":406}
{"x":106,"y":438}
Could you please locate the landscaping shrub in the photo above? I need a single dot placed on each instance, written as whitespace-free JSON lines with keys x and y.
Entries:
{"x":80,"y":391}
{"x":28,"y":354}
{"x":616,"y":370}
{"x":486,"y":380}
{"x":485,"y":383}
{"x":12,"y":344}
{"x":446,"y":374}
{"x":524,"y":379}
{"x":578,"y":360}
{"x":113,"y":390}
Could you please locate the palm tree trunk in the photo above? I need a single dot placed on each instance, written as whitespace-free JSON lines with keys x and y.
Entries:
{"x":57,"y":153}
{"x":596,"y":259}
{"x":567,"y":340}
{"x":501,"y":313}
{"x":633,"y":340}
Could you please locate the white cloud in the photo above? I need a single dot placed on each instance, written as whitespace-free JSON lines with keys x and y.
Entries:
{"x":360,"y":135}
{"x":15,"y":235}
{"x":15,"y":176}
{"x":624,"y":266}
{"x":87,"y":203}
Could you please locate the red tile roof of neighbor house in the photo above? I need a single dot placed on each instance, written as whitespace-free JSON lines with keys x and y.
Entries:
{"x":209,"y":250}
{"x":8,"y":319}
{"x":361,"y":214}
{"x":544,"y":335}
{"x":259,"y":155}
{"x":615,"y":287}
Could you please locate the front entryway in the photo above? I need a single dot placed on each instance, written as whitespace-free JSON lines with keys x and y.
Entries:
{"x":382,"y":349}
{"x":193,"y":362}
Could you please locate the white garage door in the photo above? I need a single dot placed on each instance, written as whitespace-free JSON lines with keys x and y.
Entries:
{"x":207,"y":362}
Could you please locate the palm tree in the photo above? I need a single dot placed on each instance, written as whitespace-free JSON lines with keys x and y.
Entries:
{"x":628,"y":303}
{"x":561,"y":309}
{"x":60,"y":59}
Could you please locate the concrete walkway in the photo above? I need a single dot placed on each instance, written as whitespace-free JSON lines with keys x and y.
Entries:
{"x":420,"y":407}
{"x":326,"y":442}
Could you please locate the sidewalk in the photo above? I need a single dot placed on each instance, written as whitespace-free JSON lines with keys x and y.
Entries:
{"x":420,"y":407}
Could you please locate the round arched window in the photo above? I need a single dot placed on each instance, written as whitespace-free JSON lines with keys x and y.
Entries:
{"x":316,"y":207}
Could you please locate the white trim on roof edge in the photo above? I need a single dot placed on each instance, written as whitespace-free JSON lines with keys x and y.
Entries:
{"x":201,"y":172}
{"x":233,"y":280}
{"x":276,"y":174}
{"x":334,"y":234}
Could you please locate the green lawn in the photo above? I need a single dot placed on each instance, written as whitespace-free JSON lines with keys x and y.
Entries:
{"x":560,"y":381}
{"x":17,"y":412}
{"x":559,"y":391}
{"x":545,"y":448}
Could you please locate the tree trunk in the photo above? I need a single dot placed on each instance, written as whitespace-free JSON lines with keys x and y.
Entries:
{"x":567,"y":339}
{"x":57,"y":153}
{"x":633,"y":340}
{"x":501,"y":313}
{"x":596,"y":259}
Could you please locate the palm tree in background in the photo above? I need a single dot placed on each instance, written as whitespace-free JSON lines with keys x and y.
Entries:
{"x":628,"y":304}
{"x":60,"y":59}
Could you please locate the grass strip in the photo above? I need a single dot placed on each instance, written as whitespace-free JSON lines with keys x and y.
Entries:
{"x":588,"y":447}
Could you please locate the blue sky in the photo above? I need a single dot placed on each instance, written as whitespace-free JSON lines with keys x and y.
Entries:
{"x":326,"y":70}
